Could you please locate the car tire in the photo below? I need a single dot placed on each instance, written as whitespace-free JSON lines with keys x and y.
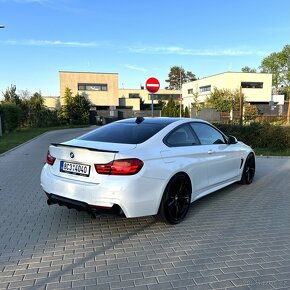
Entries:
{"x":176,"y":199}
{"x":249,"y":170}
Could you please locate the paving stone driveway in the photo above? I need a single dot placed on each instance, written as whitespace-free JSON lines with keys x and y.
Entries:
{"x":236,"y":238}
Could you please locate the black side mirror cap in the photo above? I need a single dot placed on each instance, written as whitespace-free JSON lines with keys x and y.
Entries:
{"x":232,"y":140}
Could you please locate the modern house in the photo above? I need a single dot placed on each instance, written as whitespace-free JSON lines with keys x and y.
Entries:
{"x":103,"y":92}
{"x":256,"y":87}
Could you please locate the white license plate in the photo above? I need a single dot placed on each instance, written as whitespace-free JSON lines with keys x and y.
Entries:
{"x":75,"y":168}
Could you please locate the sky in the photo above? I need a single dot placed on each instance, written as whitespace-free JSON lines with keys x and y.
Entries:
{"x":136,"y":39}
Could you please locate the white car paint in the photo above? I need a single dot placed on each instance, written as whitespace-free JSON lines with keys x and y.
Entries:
{"x":209,"y":167}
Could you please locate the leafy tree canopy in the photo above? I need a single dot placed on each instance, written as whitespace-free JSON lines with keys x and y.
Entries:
{"x":75,"y":109}
{"x":248,"y":69}
{"x":11,"y":96}
{"x":178,"y":76}
{"x":172,"y":109}
{"x":278,"y":64}
{"x":224,"y":100}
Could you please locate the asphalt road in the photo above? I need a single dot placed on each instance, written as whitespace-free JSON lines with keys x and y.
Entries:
{"x":236,"y":238}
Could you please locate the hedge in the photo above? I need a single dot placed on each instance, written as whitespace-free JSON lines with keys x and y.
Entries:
{"x":10,"y":116}
{"x":259,"y":135}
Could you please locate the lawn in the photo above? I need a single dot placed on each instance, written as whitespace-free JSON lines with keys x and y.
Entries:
{"x":13,"y":139}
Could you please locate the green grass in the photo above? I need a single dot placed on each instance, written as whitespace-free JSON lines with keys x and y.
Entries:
{"x":13,"y":139}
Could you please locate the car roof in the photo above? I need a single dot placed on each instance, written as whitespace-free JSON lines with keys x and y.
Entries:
{"x":158,"y":120}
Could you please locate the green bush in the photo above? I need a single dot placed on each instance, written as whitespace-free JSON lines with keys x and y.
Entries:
{"x":11,"y":115}
{"x":259,"y":135}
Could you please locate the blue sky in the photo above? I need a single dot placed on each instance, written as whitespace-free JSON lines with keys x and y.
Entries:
{"x":137,"y":39}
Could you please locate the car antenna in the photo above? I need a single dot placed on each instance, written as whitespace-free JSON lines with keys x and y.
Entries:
{"x":139,"y":120}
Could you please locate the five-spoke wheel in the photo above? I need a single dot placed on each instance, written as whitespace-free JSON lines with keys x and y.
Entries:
{"x":176,"y":199}
{"x":249,"y":170}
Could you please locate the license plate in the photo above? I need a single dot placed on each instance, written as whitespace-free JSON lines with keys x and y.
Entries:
{"x":75,"y":168}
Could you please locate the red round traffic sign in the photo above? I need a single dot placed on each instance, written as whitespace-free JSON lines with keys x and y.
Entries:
{"x":152,"y":85}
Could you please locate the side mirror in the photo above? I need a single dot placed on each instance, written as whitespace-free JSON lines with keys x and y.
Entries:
{"x":232,"y":140}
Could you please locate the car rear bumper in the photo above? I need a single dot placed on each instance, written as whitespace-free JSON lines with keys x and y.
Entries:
{"x":82,"y":206}
{"x":135,"y":195}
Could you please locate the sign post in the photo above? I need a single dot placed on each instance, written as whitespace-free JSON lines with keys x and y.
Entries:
{"x":152,"y":86}
{"x":180,"y":105}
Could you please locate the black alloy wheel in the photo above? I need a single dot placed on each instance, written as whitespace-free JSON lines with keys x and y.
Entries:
{"x":176,"y":199}
{"x":249,"y":170}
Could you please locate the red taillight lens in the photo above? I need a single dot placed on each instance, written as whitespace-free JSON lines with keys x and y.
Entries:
{"x":104,"y":168}
{"x":120,"y":167}
{"x":49,"y":159}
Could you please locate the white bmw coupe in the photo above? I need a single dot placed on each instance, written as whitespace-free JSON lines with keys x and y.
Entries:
{"x":145,"y":166}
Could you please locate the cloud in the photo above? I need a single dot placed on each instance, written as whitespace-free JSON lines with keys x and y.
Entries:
{"x":60,"y":5}
{"x":161,"y":50}
{"x":28,"y":1}
{"x":32,"y":42}
{"x":176,"y":50}
{"x":133,"y":67}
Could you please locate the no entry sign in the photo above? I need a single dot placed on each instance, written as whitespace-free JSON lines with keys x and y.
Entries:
{"x":152,"y":85}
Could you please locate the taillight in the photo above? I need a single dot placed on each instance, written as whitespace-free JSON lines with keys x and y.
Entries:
{"x":120,"y":167}
{"x":49,"y":159}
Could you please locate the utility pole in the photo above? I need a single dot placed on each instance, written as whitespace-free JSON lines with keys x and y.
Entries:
{"x":180,"y":100}
{"x":1,"y":26}
{"x":241,"y":105}
{"x":288,"y":112}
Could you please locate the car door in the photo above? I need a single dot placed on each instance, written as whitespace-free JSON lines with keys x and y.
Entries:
{"x":184,"y":155}
{"x":223,"y":159}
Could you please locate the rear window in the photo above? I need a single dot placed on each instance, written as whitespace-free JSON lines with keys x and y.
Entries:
{"x":125,"y":133}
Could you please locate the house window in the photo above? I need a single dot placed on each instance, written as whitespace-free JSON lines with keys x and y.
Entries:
{"x":134,"y":96}
{"x":252,"y":85}
{"x":205,"y":88}
{"x":92,"y":87}
{"x":190,"y":91}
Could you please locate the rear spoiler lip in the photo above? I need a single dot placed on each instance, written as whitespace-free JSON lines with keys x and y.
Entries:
{"x":81,"y":147}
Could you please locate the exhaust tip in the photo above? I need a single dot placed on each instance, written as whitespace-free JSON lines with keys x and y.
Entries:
{"x":50,"y":201}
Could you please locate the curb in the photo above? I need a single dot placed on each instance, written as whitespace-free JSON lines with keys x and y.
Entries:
{"x":274,"y":157}
{"x":30,"y":140}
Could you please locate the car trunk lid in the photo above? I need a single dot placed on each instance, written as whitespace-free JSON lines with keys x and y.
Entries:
{"x":75,"y":159}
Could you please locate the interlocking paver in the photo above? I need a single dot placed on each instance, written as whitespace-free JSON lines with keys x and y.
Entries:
{"x":236,"y":238}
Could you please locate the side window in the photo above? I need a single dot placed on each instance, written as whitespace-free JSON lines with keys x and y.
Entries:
{"x":207,"y":135}
{"x":182,"y":136}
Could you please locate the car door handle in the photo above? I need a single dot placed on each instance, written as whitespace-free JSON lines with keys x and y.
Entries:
{"x":210,"y":151}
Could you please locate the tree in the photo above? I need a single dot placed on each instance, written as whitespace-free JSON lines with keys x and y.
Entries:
{"x":224,"y":100}
{"x":11,"y":96}
{"x":278,"y":64}
{"x":65,"y":112}
{"x":171,"y":109}
{"x":10,"y":116}
{"x":75,"y":109}
{"x":35,"y":109}
{"x":80,"y":110}
{"x":250,"y":112}
{"x":196,"y":105}
{"x":177,"y":76}
{"x":248,"y":69}
{"x":24,"y":94}
{"x":186,"y":112}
